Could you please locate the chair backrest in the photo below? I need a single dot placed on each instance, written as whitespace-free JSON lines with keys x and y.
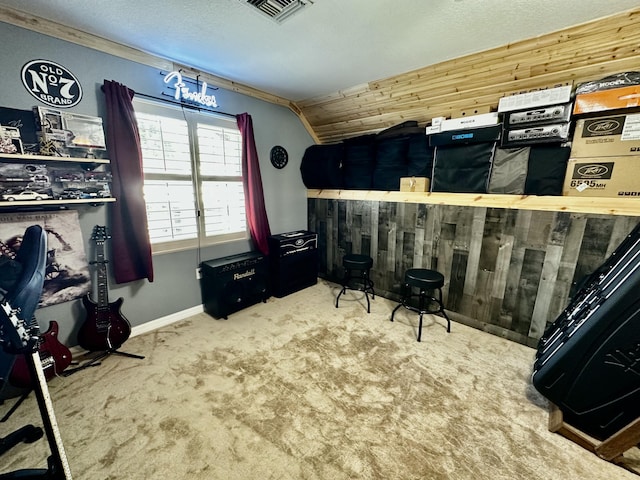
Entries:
{"x":25,"y":294}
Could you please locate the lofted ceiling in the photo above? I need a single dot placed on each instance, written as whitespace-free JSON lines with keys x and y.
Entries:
{"x":325,"y":46}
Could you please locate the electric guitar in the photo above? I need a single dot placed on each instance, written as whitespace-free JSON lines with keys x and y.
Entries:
{"x":16,"y":339}
{"x":54,"y":356}
{"x":105,"y":328}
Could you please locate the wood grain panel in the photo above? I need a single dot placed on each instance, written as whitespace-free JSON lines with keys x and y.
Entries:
{"x":525,"y":262}
{"x":583,"y":52}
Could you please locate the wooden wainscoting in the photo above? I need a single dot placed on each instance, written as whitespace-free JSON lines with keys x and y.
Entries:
{"x":508,"y":271}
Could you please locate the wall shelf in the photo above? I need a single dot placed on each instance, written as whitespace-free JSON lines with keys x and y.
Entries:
{"x":597,"y":205}
{"x":54,"y":202}
{"x":47,"y":158}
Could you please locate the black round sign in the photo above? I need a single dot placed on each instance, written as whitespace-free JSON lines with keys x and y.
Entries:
{"x":279,"y":157}
{"x":51,"y":83}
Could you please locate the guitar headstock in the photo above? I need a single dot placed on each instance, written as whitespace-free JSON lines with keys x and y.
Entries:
{"x":99,"y":235}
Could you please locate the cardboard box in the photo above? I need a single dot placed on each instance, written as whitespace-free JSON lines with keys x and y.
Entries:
{"x":612,"y":99}
{"x":538,"y":98}
{"x":473,"y":121}
{"x":609,"y":136}
{"x":603,"y":177}
{"x":414,"y":184}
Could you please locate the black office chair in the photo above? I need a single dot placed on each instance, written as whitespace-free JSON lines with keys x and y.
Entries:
{"x":24,"y":296}
{"x":20,"y":303}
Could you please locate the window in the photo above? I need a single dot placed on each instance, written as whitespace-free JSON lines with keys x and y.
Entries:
{"x":192,"y":177}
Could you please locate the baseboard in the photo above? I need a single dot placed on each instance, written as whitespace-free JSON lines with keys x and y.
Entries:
{"x":167,"y":320}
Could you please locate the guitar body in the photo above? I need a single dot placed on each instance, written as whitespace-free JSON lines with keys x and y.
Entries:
{"x":105,"y":327}
{"x":54,"y":356}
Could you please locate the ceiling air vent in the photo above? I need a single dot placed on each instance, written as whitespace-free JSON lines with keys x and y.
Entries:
{"x":278,"y":10}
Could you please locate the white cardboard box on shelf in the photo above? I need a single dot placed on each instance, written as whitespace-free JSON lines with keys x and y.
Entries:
{"x":472,"y":121}
{"x":538,"y":98}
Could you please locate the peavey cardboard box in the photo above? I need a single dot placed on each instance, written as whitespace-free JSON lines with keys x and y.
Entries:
{"x":603,"y":177}
{"x":613,"y":135}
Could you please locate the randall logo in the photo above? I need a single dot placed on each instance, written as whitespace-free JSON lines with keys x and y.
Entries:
{"x":51,"y":83}
{"x":603,"y":126}
{"x":593,"y":170}
{"x":248,"y":273}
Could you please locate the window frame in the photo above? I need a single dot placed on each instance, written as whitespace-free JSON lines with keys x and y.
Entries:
{"x":192,"y":118}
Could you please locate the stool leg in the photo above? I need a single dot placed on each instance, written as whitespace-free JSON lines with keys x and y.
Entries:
{"x":420,"y":327}
{"x":394,"y":310}
{"x":345,"y":282}
{"x":444,"y":314}
{"x":368,"y":284}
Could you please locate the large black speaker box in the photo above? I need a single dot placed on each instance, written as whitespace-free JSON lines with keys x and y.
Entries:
{"x":588,"y":360}
{"x":293,"y":262}
{"x":232,"y":283}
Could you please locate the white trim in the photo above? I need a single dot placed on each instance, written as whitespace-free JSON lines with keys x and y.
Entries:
{"x":147,"y":327}
{"x":167,"y":320}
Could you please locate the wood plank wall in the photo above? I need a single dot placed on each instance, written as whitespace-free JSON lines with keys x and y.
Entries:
{"x":475,"y":83}
{"x":508,"y":272}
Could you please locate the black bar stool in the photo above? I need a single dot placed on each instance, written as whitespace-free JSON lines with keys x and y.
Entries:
{"x":361,"y":282}
{"x":426,"y":281}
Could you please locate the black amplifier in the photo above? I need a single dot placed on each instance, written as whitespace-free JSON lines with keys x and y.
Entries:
{"x":293,"y":261}
{"x":232,"y":283}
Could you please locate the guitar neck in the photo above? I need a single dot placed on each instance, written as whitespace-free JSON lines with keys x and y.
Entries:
{"x":101,"y":276}
{"x":60,"y":464}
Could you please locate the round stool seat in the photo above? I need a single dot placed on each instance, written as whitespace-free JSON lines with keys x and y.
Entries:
{"x":355,"y":261}
{"x":424,"y":278}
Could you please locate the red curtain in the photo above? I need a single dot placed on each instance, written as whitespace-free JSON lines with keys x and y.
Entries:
{"x":252,"y":182}
{"x":130,"y":243}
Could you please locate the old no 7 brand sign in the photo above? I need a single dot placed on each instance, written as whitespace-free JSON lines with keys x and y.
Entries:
{"x":51,"y":83}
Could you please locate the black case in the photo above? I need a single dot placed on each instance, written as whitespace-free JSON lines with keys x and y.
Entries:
{"x":588,"y":360}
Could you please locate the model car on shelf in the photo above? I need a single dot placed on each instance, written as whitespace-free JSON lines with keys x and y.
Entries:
{"x":25,"y":195}
{"x":69,"y":195}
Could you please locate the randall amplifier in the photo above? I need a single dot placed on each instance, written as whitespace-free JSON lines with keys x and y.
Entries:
{"x":588,"y":360}
{"x":293,"y":261}
{"x":542,"y":134}
{"x":543,"y":115}
{"x":232,"y":283}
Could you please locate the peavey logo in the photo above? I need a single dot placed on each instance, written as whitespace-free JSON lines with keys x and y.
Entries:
{"x":51,"y":83}
{"x":248,"y":273}
{"x":593,"y":170}
{"x":607,"y":126}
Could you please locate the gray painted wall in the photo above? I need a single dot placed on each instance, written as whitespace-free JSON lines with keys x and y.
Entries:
{"x":175,"y":287}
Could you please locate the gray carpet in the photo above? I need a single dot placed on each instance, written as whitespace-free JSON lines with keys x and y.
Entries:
{"x":297,"y":389}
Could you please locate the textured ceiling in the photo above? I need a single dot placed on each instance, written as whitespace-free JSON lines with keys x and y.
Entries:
{"x":326,"y":47}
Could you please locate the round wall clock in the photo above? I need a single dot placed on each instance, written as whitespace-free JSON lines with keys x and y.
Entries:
{"x":279,"y":157}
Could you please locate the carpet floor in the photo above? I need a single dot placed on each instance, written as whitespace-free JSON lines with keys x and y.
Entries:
{"x":296,"y":389}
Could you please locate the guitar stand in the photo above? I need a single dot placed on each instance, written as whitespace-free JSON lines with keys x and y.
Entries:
{"x":97,"y":360}
{"x":57,"y":465}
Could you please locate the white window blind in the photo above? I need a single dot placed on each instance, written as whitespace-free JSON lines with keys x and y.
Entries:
{"x":193,"y":177}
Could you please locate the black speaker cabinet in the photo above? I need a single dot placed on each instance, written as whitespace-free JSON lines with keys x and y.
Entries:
{"x":293,"y":262}
{"x":232,"y":283}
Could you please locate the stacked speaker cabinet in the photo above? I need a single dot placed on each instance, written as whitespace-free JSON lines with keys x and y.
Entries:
{"x":232,"y":283}
{"x":588,"y":360}
{"x":293,"y":261}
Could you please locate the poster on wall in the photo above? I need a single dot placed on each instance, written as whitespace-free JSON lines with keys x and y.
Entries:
{"x":67,"y":274}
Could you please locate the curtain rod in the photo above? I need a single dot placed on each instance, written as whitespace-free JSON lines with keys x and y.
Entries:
{"x":184,"y":105}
